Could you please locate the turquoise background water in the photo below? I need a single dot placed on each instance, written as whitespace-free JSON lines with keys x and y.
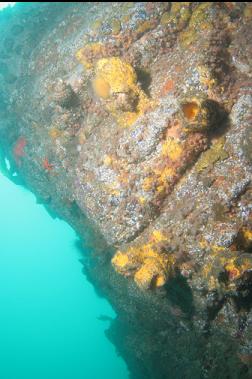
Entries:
{"x":48,"y":310}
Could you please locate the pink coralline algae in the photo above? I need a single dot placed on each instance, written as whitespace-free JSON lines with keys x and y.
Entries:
{"x":18,"y":149}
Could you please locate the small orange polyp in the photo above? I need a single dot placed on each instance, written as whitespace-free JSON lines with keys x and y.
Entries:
{"x":190,"y":110}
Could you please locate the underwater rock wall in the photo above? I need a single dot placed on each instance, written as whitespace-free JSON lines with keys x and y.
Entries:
{"x":133,"y":122}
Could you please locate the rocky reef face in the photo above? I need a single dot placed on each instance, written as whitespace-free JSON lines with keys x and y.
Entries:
{"x":132,"y":121}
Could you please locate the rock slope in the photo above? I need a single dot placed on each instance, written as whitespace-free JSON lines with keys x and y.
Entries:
{"x":132,"y":121}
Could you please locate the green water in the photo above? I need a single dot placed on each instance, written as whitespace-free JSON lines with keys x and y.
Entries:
{"x":48,"y":316}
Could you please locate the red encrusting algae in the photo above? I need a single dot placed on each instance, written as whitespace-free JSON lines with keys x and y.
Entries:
{"x":47,"y":165}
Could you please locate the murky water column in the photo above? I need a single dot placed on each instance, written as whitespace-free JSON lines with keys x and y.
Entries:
{"x":49,"y":326}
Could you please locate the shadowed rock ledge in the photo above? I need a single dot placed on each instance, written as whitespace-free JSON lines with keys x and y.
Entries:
{"x":132,"y":121}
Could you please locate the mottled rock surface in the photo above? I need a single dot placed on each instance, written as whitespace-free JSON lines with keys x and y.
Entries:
{"x":132,"y":121}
